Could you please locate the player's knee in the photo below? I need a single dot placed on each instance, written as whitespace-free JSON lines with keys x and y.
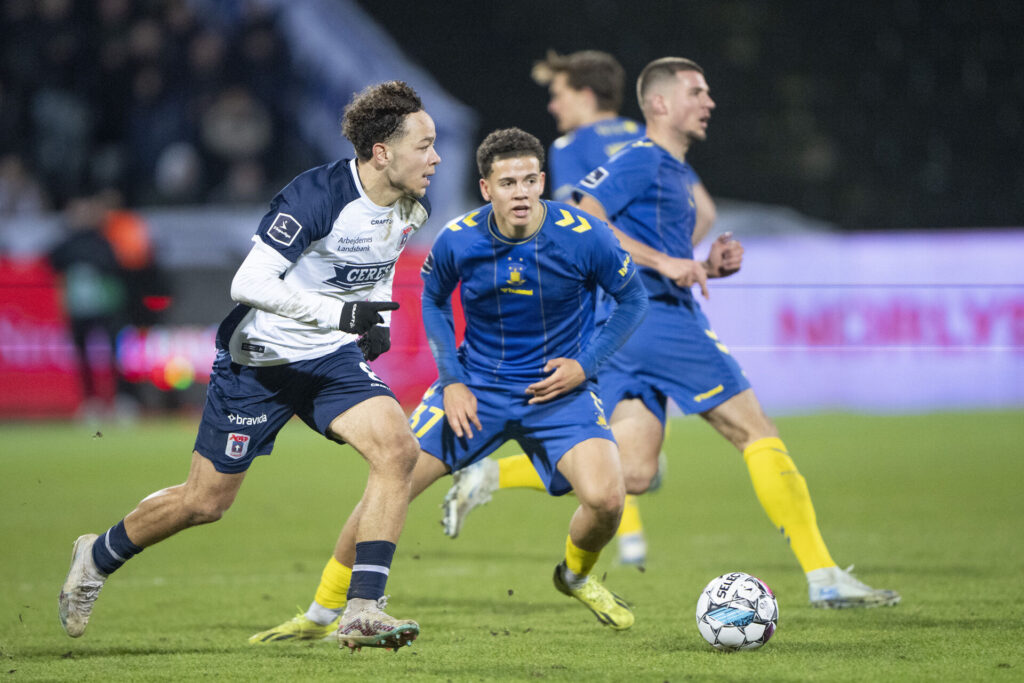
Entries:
{"x":638,"y":477}
{"x":607,"y":505}
{"x":397,"y":454}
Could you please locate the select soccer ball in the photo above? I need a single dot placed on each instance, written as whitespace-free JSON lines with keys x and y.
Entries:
{"x":737,"y":611}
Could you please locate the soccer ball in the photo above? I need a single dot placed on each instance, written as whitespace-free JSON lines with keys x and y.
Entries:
{"x":737,"y":611}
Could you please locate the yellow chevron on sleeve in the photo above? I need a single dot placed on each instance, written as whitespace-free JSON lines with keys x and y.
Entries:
{"x":567,"y":219}
{"x":462,"y":222}
{"x":570,"y":218}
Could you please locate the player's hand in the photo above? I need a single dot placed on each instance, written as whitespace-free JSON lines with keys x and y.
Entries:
{"x":685,"y":273}
{"x":375,"y":342}
{"x":357,"y":317}
{"x":726,"y":256}
{"x":568,"y":374}
{"x":460,"y":407}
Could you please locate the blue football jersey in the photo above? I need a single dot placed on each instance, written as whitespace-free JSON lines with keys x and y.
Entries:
{"x":525,"y":302}
{"x":648,"y":194}
{"x":577,"y":153}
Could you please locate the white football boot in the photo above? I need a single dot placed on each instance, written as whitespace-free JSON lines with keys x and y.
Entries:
{"x":472,"y":487}
{"x":81,"y":587}
{"x":835,"y":588}
{"x":365,"y":624}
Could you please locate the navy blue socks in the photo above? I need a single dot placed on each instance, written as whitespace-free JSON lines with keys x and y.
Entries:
{"x":114,"y":548}
{"x":370,"y":571}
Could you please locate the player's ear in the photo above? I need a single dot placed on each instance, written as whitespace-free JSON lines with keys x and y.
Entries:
{"x":484,"y":190}
{"x":543,"y":178}
{"x":380,"y":154}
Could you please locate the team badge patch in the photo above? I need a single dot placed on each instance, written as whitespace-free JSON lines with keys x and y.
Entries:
{"x":284,"y":229}
{"x":238,"y":446}
{"x":594,"y":178}
{"x":406,"y":231}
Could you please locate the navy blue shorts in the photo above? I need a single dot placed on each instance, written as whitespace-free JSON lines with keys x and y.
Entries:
{"x":545,"y":431}
{"x":674,"y":354}
{"x":246,"y":406}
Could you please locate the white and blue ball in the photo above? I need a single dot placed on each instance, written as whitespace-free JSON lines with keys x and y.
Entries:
{"x":737,"y":611}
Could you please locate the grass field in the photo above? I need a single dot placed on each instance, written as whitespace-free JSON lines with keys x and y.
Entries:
{"x":929,"y":505}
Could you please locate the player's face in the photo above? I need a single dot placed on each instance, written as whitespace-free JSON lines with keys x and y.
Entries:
{"x":412,"y":157}
{"x":690,"y":105}
{"x":514,"y":187}
{"x":567,"y":105}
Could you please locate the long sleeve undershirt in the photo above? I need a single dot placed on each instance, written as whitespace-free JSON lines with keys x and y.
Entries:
{"x":258,"y":283}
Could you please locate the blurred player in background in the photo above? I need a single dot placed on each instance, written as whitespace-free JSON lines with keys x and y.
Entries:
{"x":310,"y":292}
{"x":585,"y":98}
{"x":645,"y":193}
{"x":529,"y":270}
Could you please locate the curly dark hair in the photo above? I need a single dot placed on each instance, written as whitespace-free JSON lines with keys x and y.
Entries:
{"x":507,"y":143}
{"x":377,"y":114}
{"x":592,"y":69}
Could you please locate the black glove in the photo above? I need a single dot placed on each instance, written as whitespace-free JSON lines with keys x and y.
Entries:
{"x":358,"y":317}
{"x":375,"y":342}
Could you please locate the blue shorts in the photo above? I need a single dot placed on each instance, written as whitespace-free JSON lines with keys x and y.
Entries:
{"x":246,"y":406}
{"x":545,"y":431}
{"x":673,"y":354}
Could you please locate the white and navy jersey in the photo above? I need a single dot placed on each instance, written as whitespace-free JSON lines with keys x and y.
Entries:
{"x":341,"y":245}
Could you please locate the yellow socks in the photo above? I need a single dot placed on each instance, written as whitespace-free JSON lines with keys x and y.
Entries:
{"x":783,"y":493}
{"x":517,"y":472}
{"x":631,"y":523}
{"x":333,"y":588}
{"x":577,"y":560}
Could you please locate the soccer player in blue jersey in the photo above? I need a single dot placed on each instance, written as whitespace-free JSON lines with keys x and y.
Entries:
{"x":645,"y":192}
{"x":585,"y":97}
{"x":529,"y":271}
{"x":314,"y":294}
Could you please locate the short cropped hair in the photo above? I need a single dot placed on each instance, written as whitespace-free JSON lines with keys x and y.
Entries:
{"x":592,"y":69}
{"x":377,"y":114}
{"x":660,"y":70}
{"x":507,"y":143}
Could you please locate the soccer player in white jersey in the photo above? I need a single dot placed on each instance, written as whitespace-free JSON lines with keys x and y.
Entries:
{"x":527,"y":272}
{"x":313,"y":305}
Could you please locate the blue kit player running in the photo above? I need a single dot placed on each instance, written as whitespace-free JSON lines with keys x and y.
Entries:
{"x":585,"y":91}
{"x":645,"y":192}
{"x":310,"y":292}
{"x":529,"y":270}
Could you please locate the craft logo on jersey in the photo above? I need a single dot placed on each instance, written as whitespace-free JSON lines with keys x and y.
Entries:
{"x":284,"y":229}
{"x":238,"y":445}
{"x":349,"y":276}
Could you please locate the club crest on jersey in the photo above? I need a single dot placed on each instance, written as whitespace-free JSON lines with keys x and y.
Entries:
{"x":238,"y":446}
{"x":284,"y":229}
{"x":516,"y":279}
{"x":348,"y":276}
{"x":406,"y":232}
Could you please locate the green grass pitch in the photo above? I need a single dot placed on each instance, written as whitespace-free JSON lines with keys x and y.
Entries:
{"x":930,"y":505}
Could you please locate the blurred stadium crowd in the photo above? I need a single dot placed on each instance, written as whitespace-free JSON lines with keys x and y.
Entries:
{"x":143,"y":97}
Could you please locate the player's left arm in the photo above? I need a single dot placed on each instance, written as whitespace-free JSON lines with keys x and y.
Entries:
{"x":684,"y":272}
{"x":706,"y":212}
{"x":616,"y":273}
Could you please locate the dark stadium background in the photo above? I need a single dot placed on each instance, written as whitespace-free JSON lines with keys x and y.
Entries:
{"x":901,"y":113}
{"x":902,"y":119}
